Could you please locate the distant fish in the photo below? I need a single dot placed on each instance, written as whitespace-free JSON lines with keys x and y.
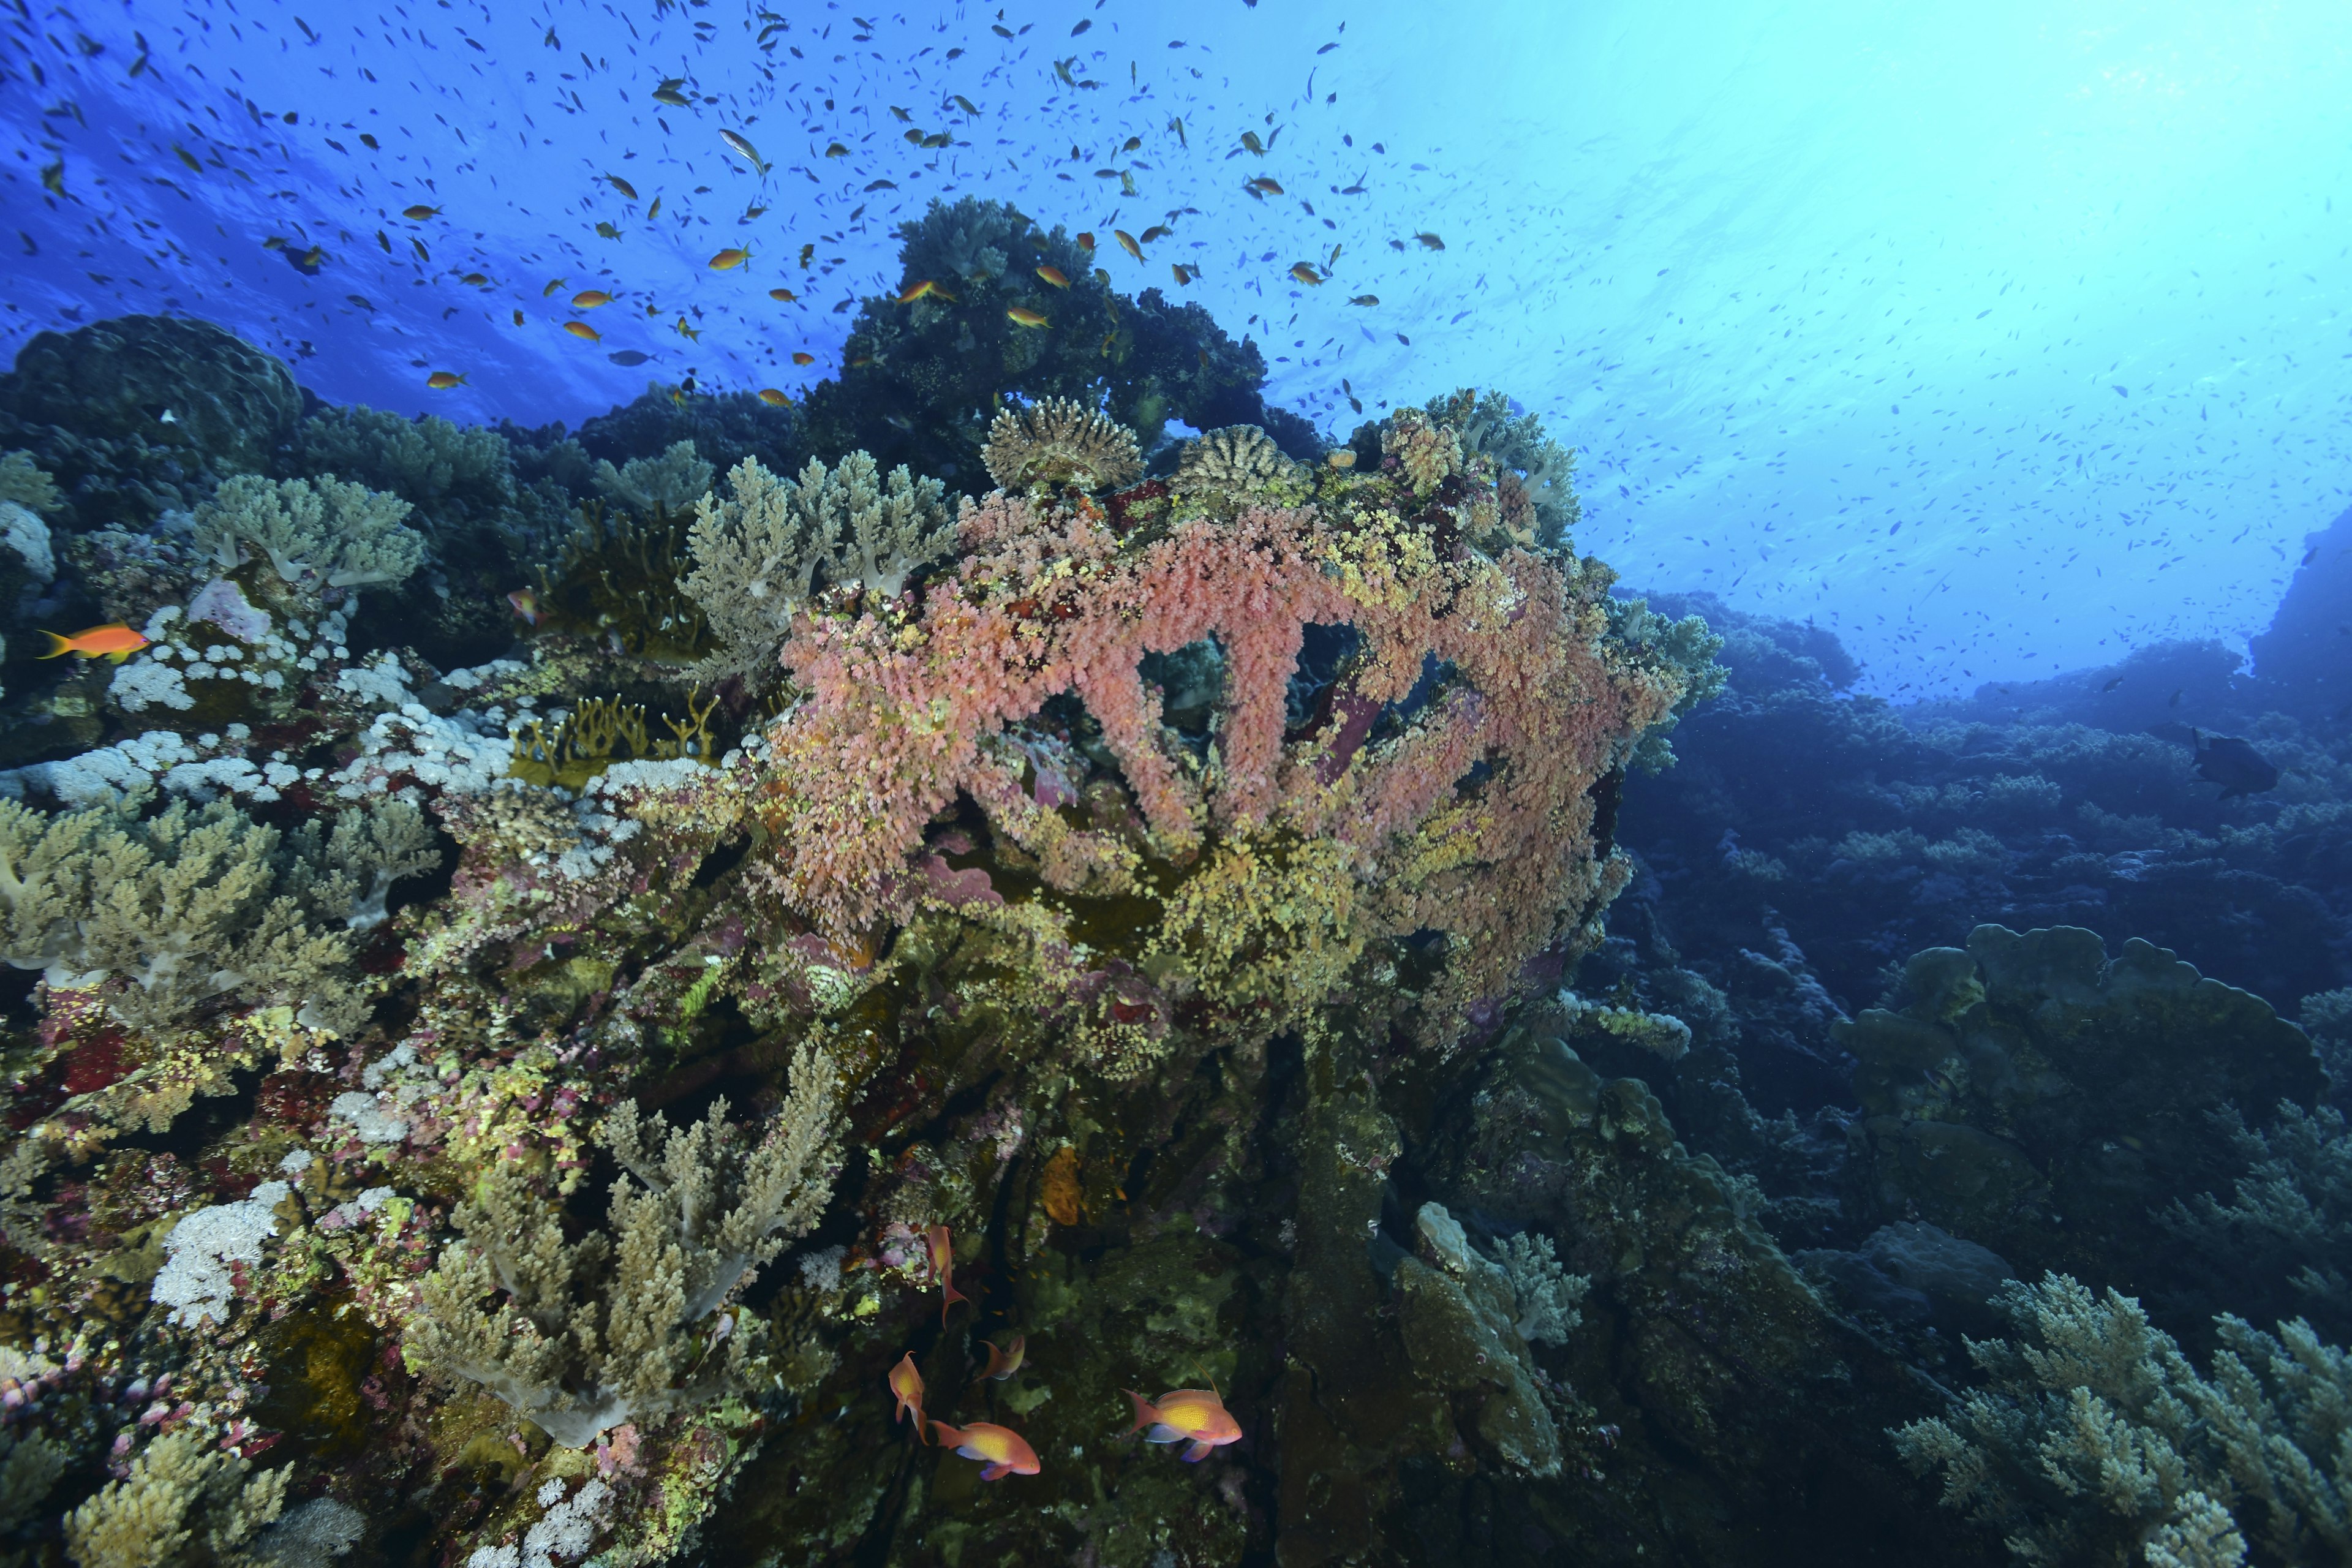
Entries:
{"x":2234,"y":764}
{"x":801,"y":356}
{"x":1430,"y":241}
{"x":621,"y":185}
{"x":1055,"y":276}
{"x":419,"y":213}
{"x":1184,"y":274}
{"x":589,"y":299}
{"x":629,"y":357}
{"x":584,"y":332}
{"x":1250,"y":141}
{"x":1127,"y":243}
{"x":1022,"y":316}
{"x":784,"y":296}
{"x":1264,"y":186}
{"x":836,"y":151}
{"x":942,"y":1250}
{"x":1087,"y":243}
{"x":731,"y":259}
{"x":671,"y":96}
{"x":1004,"y":1364}
{"x":772,"y":398}
{"x":926,"y":289}
{"x":553,"y":285}
{"x":743,"y":145}
{"x":2111,"y":685}
{"x":1365,"y":299}
{"x":526,"y":605}
{"x":114,"y":641}
{"x":443,"y":380}
{"x":1305,"y":272}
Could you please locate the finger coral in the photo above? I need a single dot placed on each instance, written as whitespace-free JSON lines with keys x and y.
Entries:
{"x":592,"y":1333}
{"x":1057,"y":443}
{"x":759,"y":555}
{"x":318,"y":535}
{"x":149,"y":1519}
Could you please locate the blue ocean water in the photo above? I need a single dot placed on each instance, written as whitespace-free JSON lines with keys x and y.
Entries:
{"x":1999,"y":339}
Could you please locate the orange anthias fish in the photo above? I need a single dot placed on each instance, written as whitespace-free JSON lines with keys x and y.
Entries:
{"x":801,"y":356}
{"x":116,"y":641}
{"x":906,"y":1387}
{"x":1127,"y":243}
{"x":1004,"y":1364}
{"x":583,"y":331}
{"x":589,"y":299}
{"x":1305,"y":272}
{"x":772,"y":397}
{"x":1002,"y":1450}
{"x":926,"y":289}
{"x":443,"y":380}
{"x":1055,"y":276}
{"x":731,"y":257}
{"x":1194,"y":1417}
{"x":1022,"y":316}
{"x":526,"y":605}
{"x":942,"y":1251}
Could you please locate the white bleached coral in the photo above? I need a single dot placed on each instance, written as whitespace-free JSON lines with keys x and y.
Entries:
{"x":195,"y":1281}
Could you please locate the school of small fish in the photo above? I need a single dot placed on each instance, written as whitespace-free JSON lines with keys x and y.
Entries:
{"x":1970,"y":455}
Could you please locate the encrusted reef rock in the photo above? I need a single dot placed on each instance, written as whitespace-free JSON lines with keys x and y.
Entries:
{"x":2031,"y":1095}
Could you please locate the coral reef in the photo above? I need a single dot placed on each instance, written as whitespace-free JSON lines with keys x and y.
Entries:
{"x":761,"y":554}
{"x":1055,"y":443}
{"x":319,"y":536}
{"x":2094,"y":1440}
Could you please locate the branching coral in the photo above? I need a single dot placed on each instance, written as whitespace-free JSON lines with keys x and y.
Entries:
{"x":761,"y":554}
{"x":611,"y":1328}
{"x":24,"y":485}
{"x":318,"y":535}
{"x":2291,"y":1215}
{"x":428,"y":461}
{"x":177,"y":1485}
{"x":194,"y":904}
{"x":2094,"y":1440}
{"x":671,"y":482}
{"x":1056,"y":444}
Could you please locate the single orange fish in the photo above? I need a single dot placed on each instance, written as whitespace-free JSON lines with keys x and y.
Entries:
{"x":1004,"y":1364}
{"x":1183,"y":274}
{"x":114,"y":641}
{"x":621,"y":185}
{"x":1022,"y":316}
{"x":1194,"y":1417}
{"x":1305,"y":272}
{"x":772,"y":398}
{"x":584,"y":332}
{"x":1087,"y":243}
{"x":733,"y":257}
{"x":926,"y":289}
{"x":1002,"y":1451}
{"x":443,"y":380}
{"x":1127,"y":243}
{"x":1055,"y":276}
{"x":783,"y":296}
{"x":418,"y":214}
{"x":526,"y":605}
{"x":1264,"y":186}
{"x":589,"y":299}
{"x":801,"y":356}
{"x":942,"y":1252}
{"x":907,"y":1385}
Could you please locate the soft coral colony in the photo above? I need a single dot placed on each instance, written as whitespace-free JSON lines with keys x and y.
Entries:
{"x":399,"y":1125}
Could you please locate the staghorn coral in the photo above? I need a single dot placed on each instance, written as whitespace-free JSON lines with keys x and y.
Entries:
{"x":175,"y":1488}
{"x":1231,"y":462}
{"x":320,"y":536}
{"x":2290,"y":1216}
{"x":172,"y":912}
{"x":671,"y":482}
{"x":614,"y":1327}
{"x":759,"y":555}
{"x":2094,"y":1440}
{"x":1056,"y":444}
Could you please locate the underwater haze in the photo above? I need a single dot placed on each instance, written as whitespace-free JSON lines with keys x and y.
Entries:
{"x":1254,"y":784}
{"x":1999,"y":339}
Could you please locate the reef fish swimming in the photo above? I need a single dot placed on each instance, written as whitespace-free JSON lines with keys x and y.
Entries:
{"x":942,"y":1252}
{"x":906,"y":1387}
{"x":114,"y":641}
{"x":2234,"y":764}
{"x":1196,"y":1418}
{"x":1002,"y":1451}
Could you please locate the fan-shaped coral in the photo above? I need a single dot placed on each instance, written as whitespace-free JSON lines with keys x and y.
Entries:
{"x":1059,"y":444}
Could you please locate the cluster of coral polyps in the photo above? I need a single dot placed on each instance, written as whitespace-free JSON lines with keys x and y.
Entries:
{"x":1432,"y":804}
